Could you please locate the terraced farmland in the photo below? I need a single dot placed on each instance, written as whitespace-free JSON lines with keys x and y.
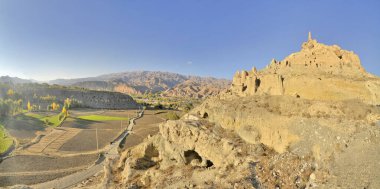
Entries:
{"x":71,"y":147}
{"x":24,"y":128}
{"x":35,"y":163}
{"x":87,"y":140}
{"x":32,"y":169}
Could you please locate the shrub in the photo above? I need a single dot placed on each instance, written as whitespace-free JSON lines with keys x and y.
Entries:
{"x":172,"y":116}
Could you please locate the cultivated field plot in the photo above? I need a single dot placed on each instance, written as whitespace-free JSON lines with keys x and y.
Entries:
{"x":150,"y":117}
{"x":31,"y":179}
{"x":35,"y":163}
{"x":78,"y":132}
{"x":86,"y":140}
{"x":84,"y":124}
{"x":54,"y":140}
{"x":80,"y":112}
{"x":32,"y":169}
{"x":24,"y":128}
{"x":121,"y":113}
{"x":118,"y":113}
{"x":147,"y":125}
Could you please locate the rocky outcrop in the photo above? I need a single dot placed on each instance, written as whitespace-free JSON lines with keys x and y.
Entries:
{"x":198,"y":88}
{"x":258,"y":142}
{"x":318,"y":71}
{"x":287,"y":126}
{"x":321,"y":133}
{"x":123,"y":88}
{"x":184,"y":155}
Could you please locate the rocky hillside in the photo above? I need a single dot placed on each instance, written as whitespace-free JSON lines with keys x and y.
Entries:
{"x":170,"y":84}
{"x":13,"y":80}
{"x":42,"y":95}
{"x":197,"y":87}
{"x":266,"y":133}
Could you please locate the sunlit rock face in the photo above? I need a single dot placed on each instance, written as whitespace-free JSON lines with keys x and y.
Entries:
{"x":308,"y":121}
{"x":318,"y":71}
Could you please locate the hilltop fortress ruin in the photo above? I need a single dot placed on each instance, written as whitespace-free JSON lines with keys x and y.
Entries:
{"x":312,"y":73}
{"x":308,"y":121}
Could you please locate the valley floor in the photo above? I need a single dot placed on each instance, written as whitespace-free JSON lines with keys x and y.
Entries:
{"x":50,"y":153}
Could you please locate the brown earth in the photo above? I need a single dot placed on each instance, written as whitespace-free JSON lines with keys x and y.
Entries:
{"x":24,"y":163}
{"x":24,"y":128}
{"x":30,"y":179}
{"x":86,"y":140}
{"x":32,"y":169}
{"x":145,"y":126}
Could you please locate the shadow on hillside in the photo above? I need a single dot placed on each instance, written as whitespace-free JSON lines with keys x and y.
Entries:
{"x":22,"y":126}
{"x":80,"y":123}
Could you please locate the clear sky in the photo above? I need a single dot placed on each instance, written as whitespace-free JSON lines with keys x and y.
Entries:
{"x":48,"y":39}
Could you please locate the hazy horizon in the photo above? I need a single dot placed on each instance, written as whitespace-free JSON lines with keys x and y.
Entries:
{"x":68,"y":78}
{"x":45,"y":40}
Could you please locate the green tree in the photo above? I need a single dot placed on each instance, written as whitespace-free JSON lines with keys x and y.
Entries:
{"x":4,"y":109}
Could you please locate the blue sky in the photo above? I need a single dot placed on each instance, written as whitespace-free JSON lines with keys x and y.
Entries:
{"x":48,"y":39}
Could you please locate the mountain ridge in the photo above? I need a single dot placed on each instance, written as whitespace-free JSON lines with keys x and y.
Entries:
{"x":140,"y":82}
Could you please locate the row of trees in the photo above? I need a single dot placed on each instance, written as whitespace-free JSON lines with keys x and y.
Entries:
{"x":10,"y":107}
{"x":11,"y":104}
{"x":51,"y":107}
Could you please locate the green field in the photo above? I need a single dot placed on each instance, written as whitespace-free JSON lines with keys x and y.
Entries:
{"x":5,"y":140}
{"x":101,"y":118}
{"x":52,"y":121}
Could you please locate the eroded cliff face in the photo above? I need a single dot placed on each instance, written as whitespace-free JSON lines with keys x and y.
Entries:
{"x":198,"y":154}
{"x":80,"y":97}
{"x":333,"y":136}
{"x":318,"y":72}
{"x":260,"y":142}
{"x":188,"y":153}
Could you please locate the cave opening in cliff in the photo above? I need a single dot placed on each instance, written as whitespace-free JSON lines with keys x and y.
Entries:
{"x":244,"y":88}
{"x":205,"y":115}
{"x":257,"y":84}
{"x":209,"y":163}
{"x":191,"y":155}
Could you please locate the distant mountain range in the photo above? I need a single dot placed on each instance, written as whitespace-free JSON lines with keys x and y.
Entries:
{"x":14,"y":80}
{"x":140,"y":82}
